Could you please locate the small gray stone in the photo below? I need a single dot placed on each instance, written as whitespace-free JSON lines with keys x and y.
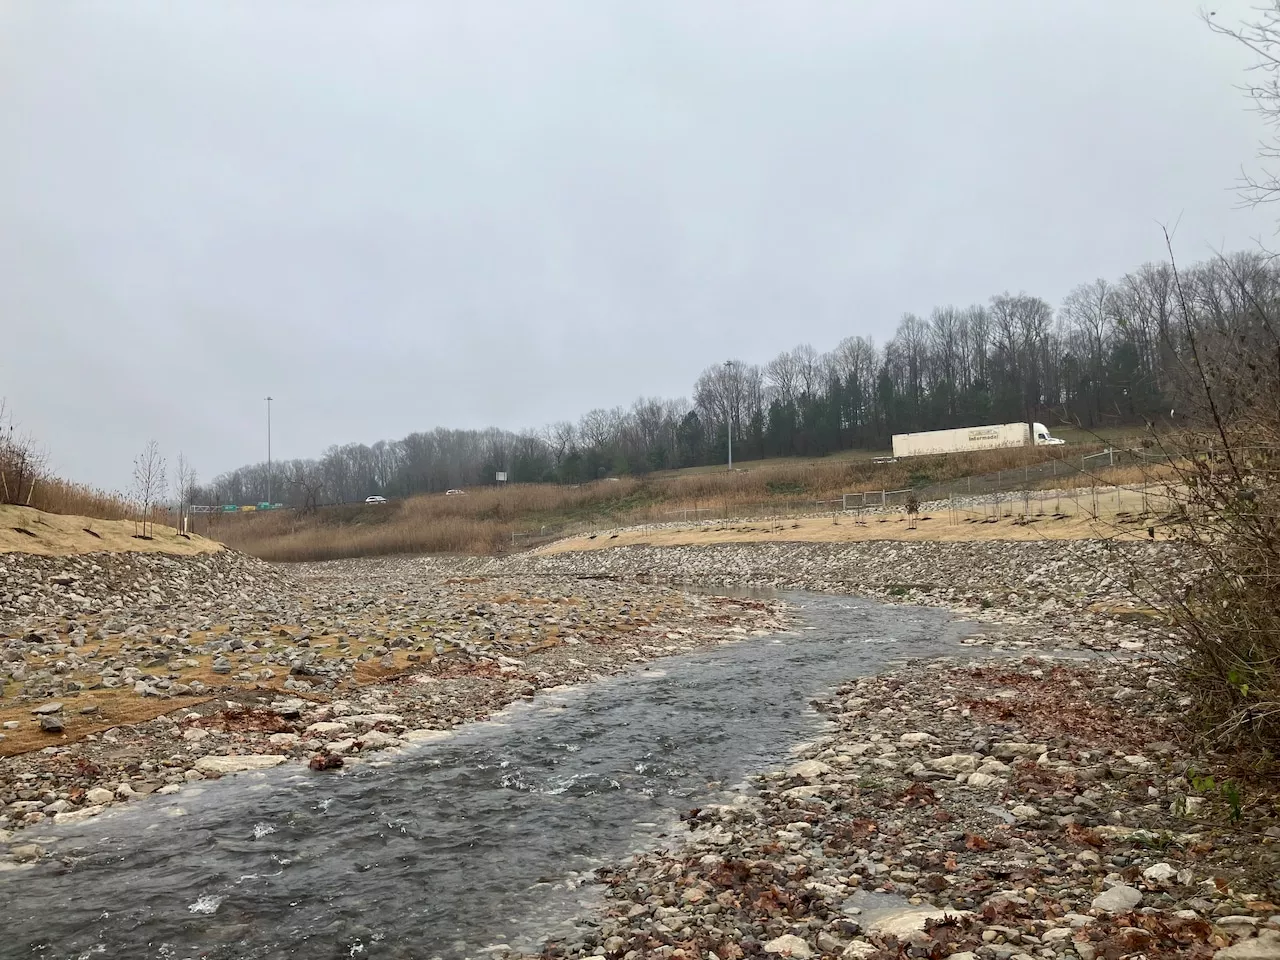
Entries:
{"x":1159,"y":873}
{"x":1119,"y":899}
{"x":789,"y":945}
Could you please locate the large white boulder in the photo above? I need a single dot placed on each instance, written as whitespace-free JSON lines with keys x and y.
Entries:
{"x":809,"y":769}
{"x":903,"y":923}
{"x":253,"y":761}
{"x":789,"y":945}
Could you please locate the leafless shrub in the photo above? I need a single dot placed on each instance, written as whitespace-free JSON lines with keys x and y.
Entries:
{"x":1226,"y":492}
{"x":22,"y":462}
{"x":25,"y":479}
{"x":149,"y":483}
{"x":308,"y":479}
{"x":185,"y":480}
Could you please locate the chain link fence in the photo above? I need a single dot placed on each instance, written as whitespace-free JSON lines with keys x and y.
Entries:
{"x":1062,"y":487}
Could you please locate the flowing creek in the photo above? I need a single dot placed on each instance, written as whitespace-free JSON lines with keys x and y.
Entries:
{"x":455,"y":845}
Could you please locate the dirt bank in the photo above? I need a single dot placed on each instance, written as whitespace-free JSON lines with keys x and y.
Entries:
{"x":25,"y":530}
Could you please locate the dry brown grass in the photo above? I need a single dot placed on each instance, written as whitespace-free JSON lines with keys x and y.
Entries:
{"x":485,"y":520}
{"x":52,"y":495}
{"x":116,"y":708}
{"x":479,"y":523}
{"x":820,"y":479}
{"x":402,"y":527}
{"x":80,"y":500}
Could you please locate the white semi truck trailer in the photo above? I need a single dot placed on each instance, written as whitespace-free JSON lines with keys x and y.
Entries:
{"x":965,"y":439}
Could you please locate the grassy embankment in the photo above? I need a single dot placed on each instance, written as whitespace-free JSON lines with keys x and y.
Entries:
{"x":1120,"y":514}
{"x":28,"y":530}
{"x":58,"y":517}
{"x":1077,"y":439}
{"x":484,"y":521}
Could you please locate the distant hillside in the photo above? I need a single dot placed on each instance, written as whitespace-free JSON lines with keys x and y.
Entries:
{"x":492,"y":520}
{"x":1112,"y":354}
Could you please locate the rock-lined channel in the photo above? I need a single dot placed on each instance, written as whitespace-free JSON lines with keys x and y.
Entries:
{"x":453,"y":846}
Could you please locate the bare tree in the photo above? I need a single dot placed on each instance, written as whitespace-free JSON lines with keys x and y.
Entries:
{"x":944,"y":342}
{"x":978,"y":335}
{"x":186,"y":485}
{"x":1089,"y":310}
{"x":912,"y":342}
{"x":599,"y":428}
{"x":308,"y":479}
{"x":808,"y":368}
{"x":22,"y":461}
{"x":561,"y":437}
{"x":785,"y":376}
{"x":149,"y":482}
{"x":1147,"y":316}
{"x":856,"y":361}
{"x":1263,"y":38}
{"x":720,"y":393}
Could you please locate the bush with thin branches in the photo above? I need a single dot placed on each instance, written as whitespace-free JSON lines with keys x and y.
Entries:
{"x":1225,"y":469}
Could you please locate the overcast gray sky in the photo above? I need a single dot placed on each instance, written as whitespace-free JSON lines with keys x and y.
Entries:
{"x":397,"y":215}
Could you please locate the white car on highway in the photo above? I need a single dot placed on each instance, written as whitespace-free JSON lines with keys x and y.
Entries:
{"x":375,"y":499}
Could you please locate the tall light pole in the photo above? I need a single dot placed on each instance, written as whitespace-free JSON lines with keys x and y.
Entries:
{"x":728,"y":365}
{"x":268,"y":449}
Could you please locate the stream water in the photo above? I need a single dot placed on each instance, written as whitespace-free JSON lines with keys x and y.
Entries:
{"x":450,"y":847}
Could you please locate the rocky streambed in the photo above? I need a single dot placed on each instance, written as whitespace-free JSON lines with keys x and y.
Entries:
{"x":999,"y":809}
{"x":1037,"y":805}
{"x":1048,"y":804}
{"x":1082,"y":594}
{"x":125,"y":675}
{"x":471,"y":843}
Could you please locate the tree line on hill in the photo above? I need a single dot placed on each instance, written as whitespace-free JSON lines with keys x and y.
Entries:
{"x":1113,"y":352}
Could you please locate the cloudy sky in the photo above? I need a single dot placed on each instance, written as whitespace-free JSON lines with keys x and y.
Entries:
{"x":396,"y":215}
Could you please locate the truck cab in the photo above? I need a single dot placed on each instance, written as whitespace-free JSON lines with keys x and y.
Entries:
{"x":1042,"y":437}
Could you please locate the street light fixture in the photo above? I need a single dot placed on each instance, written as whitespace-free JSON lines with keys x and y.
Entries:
{"x":268,"y":450}
{"x":728,"y":365}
